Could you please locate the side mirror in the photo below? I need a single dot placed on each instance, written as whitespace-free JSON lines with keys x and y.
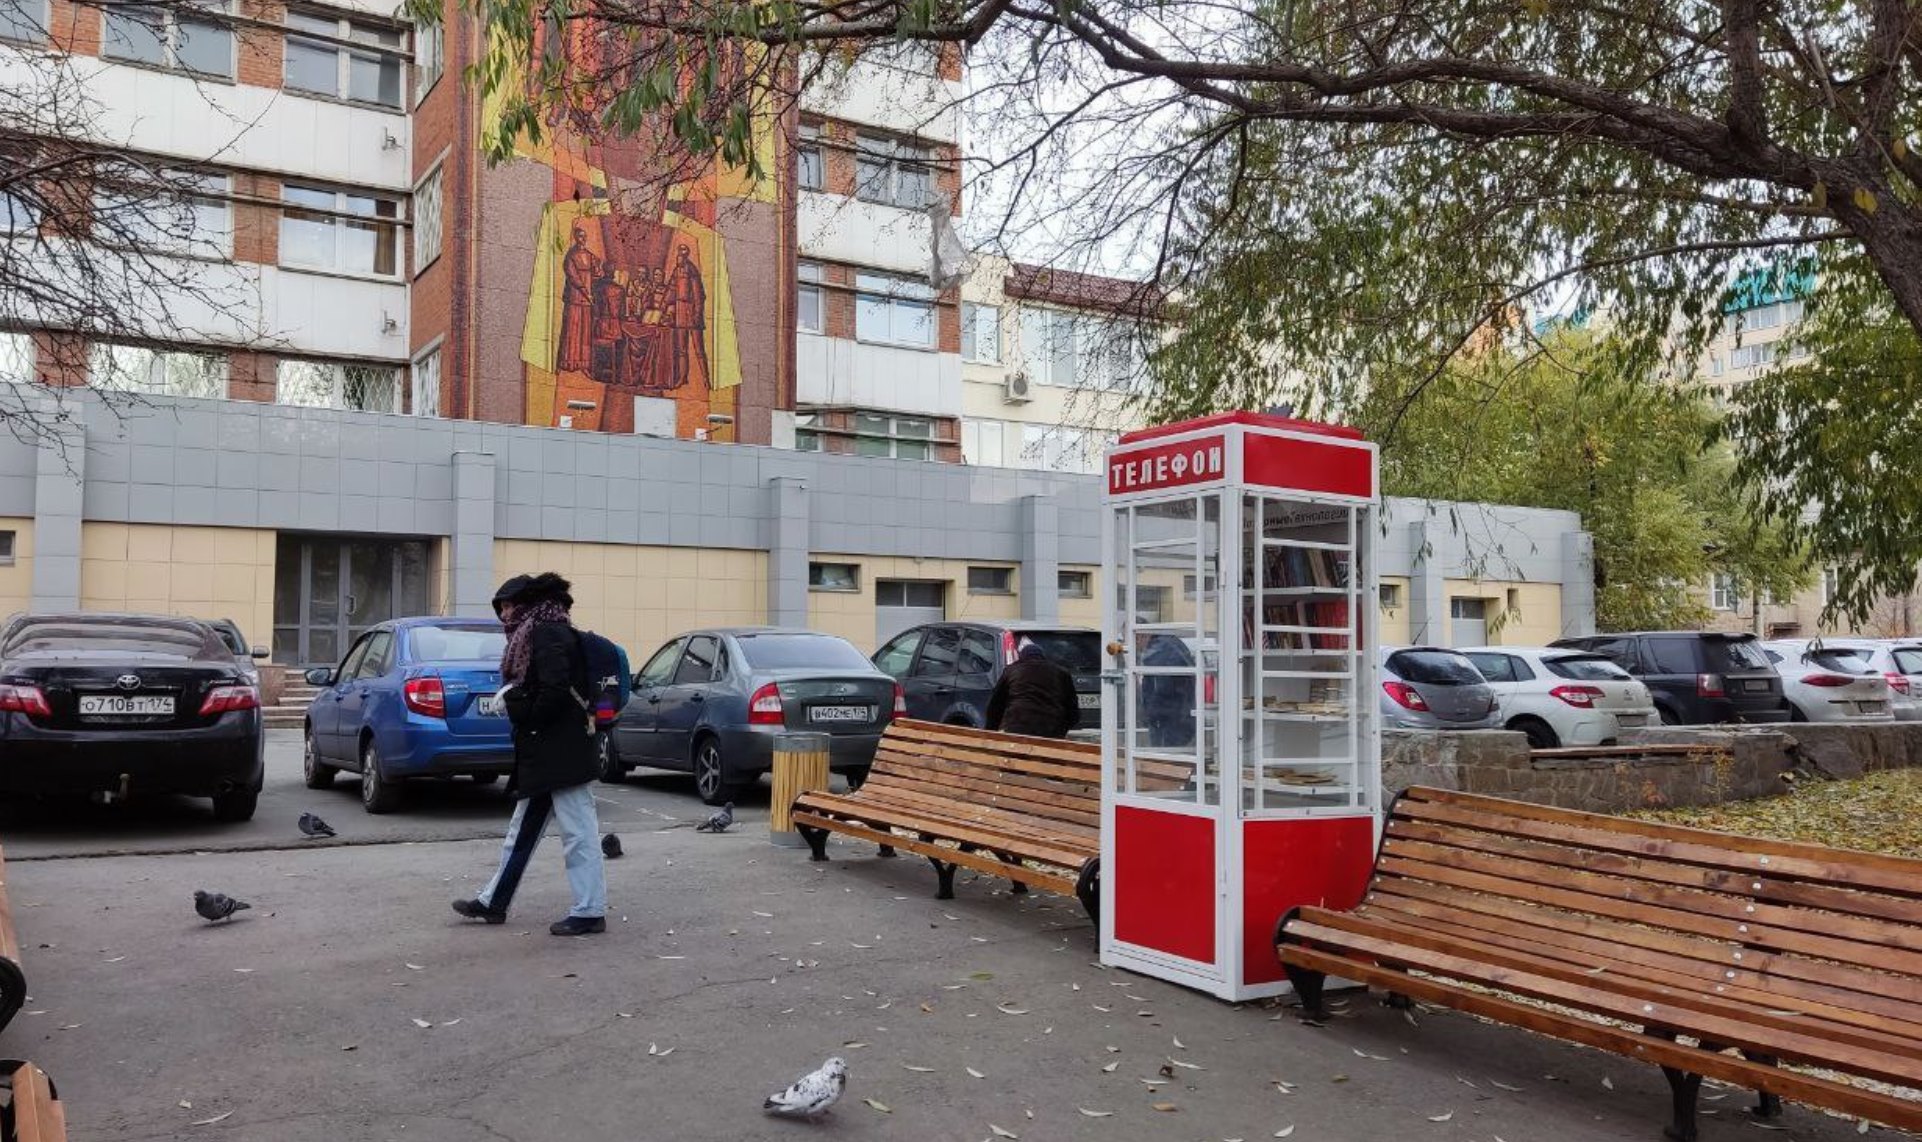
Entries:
{"x":320,"y":676}
{"x":261,"y":653}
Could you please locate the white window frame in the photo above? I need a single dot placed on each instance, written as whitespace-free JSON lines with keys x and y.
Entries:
{"x":1722,"y":592}
{"x":818,"y":584}
{"x":983,"y":443}
{"x":123,"y":368}
{"x":1044,"y":332}
{"x":423,"y":382}
{"x":18,"y":214}
{"x":887,"y":172}
{"x":903,"y":297}
{"x":981,"y":346}
{"x":337,"y":375}
{"x":890,"y":432}
{"x":1005,"y":576}
{"x":430,"y":58}
{"x":168,"y":32}
{"x":340,"y":218}
{"x":345,"y":28}
{"x":429,"y":217}
{"x":1084,"y":579}
{"x":148,"y":206}
{"x":9,"y":544}
{"x":809,"y":157}
{"x":810,"y":276}
{"x":16,"y":357}
{"x":1388,"y":596}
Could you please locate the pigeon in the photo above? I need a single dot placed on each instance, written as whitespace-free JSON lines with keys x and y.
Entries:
{"x":611,"y":846}
{"x":217,"y":905}
{"x":812,"y":1094}
{"x":312,"y":826}
{"x":719,"y":822}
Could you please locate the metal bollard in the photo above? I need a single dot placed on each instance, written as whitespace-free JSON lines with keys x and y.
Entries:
{"x":800,"y":766}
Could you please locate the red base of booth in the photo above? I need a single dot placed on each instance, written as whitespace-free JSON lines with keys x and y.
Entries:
{"x":1164,"y":878}
{"x":1323,"y":861}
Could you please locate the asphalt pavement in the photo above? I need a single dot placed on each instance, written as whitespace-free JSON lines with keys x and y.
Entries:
{"x":350,"y":1003}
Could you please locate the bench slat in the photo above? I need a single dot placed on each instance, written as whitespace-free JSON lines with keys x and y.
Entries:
{"x":1054,"y":882}
{"x":1070,"y":793}
{"x":936,"y":808}
{"x":989,"y":792}
{"x":38,"y":1115}
{"x":975,"y":833}
{"x":1015,"y":746}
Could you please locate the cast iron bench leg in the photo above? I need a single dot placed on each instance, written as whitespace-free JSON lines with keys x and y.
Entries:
{"x":1307,"y":984}
{"x":944,"y":870}
{"x":1768,"y":1105}
{"x":1087,"y":889}
{"x":1685,"y":1088}
{"x":886,"y":851}
{"x":817,"y":839}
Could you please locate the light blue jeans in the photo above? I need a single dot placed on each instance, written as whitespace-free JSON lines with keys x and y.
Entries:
{"x":573,"y":809}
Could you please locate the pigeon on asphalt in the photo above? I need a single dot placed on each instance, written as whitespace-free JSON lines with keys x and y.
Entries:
{"x":718,"y":823}
{"x":611,"y":846}
{"x":812,"y":1094}
{"x":217,"y":905}
{"x":312,"y":826}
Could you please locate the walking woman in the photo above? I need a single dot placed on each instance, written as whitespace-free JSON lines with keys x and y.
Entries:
{"x":545,"y":685}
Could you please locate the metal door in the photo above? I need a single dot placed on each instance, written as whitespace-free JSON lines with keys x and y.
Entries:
{"x":684,"y":701}
{"x":929,"y":686}
{"x":903,"y":603}
{"x":634,"y":733}
{"x":328,"y":590}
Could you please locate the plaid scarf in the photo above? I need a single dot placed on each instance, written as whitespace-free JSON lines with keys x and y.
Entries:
{"x":520,"y":635}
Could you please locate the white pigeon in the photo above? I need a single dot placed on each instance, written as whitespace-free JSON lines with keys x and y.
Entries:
{"x":812,"y":1094}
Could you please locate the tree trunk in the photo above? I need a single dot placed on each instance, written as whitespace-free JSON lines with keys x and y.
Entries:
{"x":1892,"y":238}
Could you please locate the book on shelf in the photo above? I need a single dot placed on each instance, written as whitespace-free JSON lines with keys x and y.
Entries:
{"x":1304,"y":567}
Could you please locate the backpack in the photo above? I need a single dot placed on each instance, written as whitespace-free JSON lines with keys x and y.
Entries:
{"x":607,"y":678}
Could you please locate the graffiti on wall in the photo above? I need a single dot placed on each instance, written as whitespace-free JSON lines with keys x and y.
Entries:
{"x":630,"y":318}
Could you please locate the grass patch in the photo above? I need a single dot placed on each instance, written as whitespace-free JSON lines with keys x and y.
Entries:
{"x":1880,"y":813}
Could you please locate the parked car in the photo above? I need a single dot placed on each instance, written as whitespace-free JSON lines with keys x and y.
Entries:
{"x":248,"y":658}
{"x":1825,"y":685}
{"x":1562,"y":697}
{"x":1434,"y":688}
{"x":116,"y":704}
{"x":948,"y":670}
{"x":1899,"y":661}
{"x":413,"y":698}
{"x":1696,"y":677}
{"x":711,"y":702}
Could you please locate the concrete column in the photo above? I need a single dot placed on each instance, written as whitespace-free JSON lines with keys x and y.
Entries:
{"x":1040,"y":559}
{"x":787,"y":551}
{"x":1427,"y":593}
{"x":60,"y":475}
{"x":1578,"y":583}
{"x":471,"y":575}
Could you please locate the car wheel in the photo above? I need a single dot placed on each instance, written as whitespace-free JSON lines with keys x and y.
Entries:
{"x":319,"y":774}
{"x":377,"y":794}
{"x":710,"y":773}
{"x":612,"y":771}
{"x":238,"y":805}
{"x":1539,"y":733}
{"x":1796,"y":714}
{"x":1667,"y":716}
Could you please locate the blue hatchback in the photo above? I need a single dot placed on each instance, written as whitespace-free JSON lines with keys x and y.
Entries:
{"x":413,"y":698}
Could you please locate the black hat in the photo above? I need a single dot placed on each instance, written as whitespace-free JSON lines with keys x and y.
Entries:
{"x":524,"y":589}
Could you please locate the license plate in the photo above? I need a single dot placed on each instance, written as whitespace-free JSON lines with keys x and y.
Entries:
{"x":109,"y":705}
{"x":839,"y":714}
{"x":489,"y":706}
{"x":1871,"y":707}
{"x":1756,"y":685}
{"x":1090,"y":701}
{"x":1632,"y":719}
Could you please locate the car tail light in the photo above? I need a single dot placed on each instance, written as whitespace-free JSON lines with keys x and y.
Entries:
{"x":1827,"y":680}
{"x":227,"y":699}
{"x":1405,"y":695}
{"x":1009,"y":651}
{"x":425,"y":695}
{"x":1709,"y":686}
{"x":1898,"y":682}
{"x":1582,"y":696}
{"x":764,"y":708}
{"x":26,"y":700}
{"x":900,"y":701}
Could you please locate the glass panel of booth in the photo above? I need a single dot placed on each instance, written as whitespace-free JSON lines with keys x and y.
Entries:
{"x":1300,"y":659}
{"x":1168,"y":556}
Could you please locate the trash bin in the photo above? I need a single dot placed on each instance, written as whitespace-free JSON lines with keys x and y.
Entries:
{"x":800,"y":765}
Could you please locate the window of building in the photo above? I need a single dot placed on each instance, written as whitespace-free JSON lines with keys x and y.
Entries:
{"x":1058,"y":448}
{"x":328,"y":384}
{"x":893,"y":310}
{"x":430,"y":57}
{"x":1831,"y":584}
{"x":981,"y":443}
{"x":810,"y":163}
{"x":1075,"y":584}
{"x":16,"y":358}
{"x":923,"y":593}
{"x":345,"y":231}
{"x":806,"y":439}
{"x":1389,"y":596}
{"x":834,"y":576}
{"x":424,"y":384}
{"x":1152,"y":604}
{"x":1722,"y":594}
{"x":166,"y":215}
{"x":1050,"y":349}
{"x":1751,"y":356}
{"x":366,"y":73}
{"x":18,"y":213}
{"x":892,"y":172}
{"x":24,"y":21}
{"x":1768,"y":316}
{"x":171,"y":36}
{"x":427,"y":220}
{"x":809,"y":311}
{"x":981,"y":333}
{"x":900,"y":437}
{"x":6,"y":548}
{"x":990,"y":580}
{"x":156,"y":372}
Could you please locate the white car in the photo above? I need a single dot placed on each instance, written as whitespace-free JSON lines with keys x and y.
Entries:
{"x":1825,"y":685}
{"x":1897,"y":660}
{"x":1563,"y":697}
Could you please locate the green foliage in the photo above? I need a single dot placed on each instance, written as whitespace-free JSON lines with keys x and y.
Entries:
{"x":1565,"y":428}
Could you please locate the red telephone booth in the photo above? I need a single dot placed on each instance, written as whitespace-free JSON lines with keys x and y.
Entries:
{"x":1242,"y":766}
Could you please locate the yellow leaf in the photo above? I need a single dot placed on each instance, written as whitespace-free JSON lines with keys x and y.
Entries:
{"x":880,"y":1106}
{"x":1865,"y":200}
{"x":1819,"y":197}
{"x":1166,"y":1107}
{"x":1901,"y":148}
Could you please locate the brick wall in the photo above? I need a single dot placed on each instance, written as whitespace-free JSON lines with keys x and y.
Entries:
{"x":261,"y":54}
{"x":59,"y":359}
{"x":74,"y":28}
{"x":251,"y":376}
{"x":256,"y":224}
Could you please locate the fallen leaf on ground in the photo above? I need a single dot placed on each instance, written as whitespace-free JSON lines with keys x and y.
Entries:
{"x":244,"y":971}
{"x":184,"y":1104}
{"x":414,"y":967}
{"x":765,"y":915}
{"x":422,"y":1024}
{"x":1504,"y":1086}
{"x":975,"y":1073}
{"x":1441,"y":1117}
{"x":1186,"y":1066}
{"x":917,"y":1070}
{"x":998,"y":1132}
{"x":450,"y":1022}
{"x":1179,"y":1045}
{"x":1165,"y":1107}
{"x":1086,"y":1113}
{"x":878,"y":1105}
{"x":1284,"y":1132}
{"x":854,"y":1046}
{"x":1007,"y":1009}
{"x":351,"y":1047}
{"x":1109,"y":1069}
{"x":1607,"y":1083}
{"x":214,"y":1119}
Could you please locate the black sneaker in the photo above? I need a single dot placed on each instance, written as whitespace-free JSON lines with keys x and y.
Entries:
{"x":578,"y":925}
{"x":475,"y":910}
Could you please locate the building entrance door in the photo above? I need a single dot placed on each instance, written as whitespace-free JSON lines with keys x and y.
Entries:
{"x":330,"y":588}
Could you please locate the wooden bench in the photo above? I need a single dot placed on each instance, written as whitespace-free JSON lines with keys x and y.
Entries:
{"x":32,"y":1112}
{"x":1669,"y":945}
{"x":1028,"y":809}
{"x":13,"y":982}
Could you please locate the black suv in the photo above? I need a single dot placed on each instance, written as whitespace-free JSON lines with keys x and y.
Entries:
{"x":1697,"y":677}
{"x":948,"y":670}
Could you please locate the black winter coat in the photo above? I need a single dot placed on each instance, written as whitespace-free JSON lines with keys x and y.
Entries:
{"x":1034,"y":697}
{"x":553,"y":747}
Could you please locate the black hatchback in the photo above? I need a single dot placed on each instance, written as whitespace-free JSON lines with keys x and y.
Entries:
{"x":1696,"y":677}
{"x":948,"y":670}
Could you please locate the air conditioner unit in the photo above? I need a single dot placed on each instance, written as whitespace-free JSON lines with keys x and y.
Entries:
{"x":1018,"y":389}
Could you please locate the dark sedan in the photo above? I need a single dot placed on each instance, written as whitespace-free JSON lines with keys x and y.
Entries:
{"x":111,"y":705}
{"x":711,"y":702}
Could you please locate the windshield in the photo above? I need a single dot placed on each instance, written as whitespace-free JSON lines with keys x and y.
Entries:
{"x":457,"y":644}
{"x":1840,"y":661}
{"x":80,"y":636}
{"x":1586,"y":668}
{"x":1739,"y":653}
{"x":1078,"y":651}
{"x":231,"y":636}
{"x":801,"y":652}
{"x":1434,"y":667}
{"x":1908,"y":659}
